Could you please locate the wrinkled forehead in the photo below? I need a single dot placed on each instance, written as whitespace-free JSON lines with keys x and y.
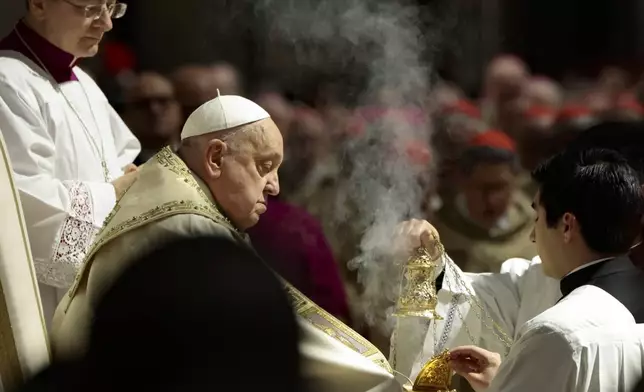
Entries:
{"x":264,"y":138}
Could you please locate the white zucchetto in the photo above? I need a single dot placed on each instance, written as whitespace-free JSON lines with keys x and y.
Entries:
{"x":222,"y":113}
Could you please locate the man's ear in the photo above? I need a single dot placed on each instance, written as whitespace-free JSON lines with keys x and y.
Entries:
{"x":569,"y":223}
{"x":37,"y":8}
{"x":215,"y":151}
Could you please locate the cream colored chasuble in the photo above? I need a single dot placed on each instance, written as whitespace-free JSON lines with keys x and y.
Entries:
{"x":336,"y":358}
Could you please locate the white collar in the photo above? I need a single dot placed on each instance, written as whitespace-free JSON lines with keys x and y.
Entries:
{"x":588,"y":265}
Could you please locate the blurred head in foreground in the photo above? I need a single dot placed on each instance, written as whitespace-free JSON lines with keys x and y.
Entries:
{"x":194,"y":315}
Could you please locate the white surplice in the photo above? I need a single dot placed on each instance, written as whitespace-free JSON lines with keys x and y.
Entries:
{"x":518,"y":293}
{"x":585,"y":343}
{"x":56,"y":166}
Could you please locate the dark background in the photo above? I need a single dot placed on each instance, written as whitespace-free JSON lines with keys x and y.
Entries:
{"x":558,"y":38}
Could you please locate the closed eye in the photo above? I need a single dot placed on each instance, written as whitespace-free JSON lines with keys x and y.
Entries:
{"x":265,"y":168}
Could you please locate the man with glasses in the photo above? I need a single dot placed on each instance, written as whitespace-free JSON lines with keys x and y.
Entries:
{"x":71,"y":153}
{"x":153,"y":114}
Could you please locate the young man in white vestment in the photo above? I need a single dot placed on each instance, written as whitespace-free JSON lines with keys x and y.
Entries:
{"x":584,"y":245}
{"x":69,"y":149}
{"x":217,"y":185}
{"x":510,"y":298}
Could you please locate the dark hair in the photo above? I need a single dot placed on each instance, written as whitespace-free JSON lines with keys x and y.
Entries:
{"x":600,"y":189}
{"x":474,"y":156}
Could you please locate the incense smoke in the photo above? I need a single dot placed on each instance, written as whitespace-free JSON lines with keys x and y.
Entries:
{"x":386,"y":41}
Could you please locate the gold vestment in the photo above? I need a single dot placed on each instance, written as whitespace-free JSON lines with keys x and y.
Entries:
{"x":168,"y":201}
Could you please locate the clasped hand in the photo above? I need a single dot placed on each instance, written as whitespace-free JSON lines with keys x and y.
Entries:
{"x":122,"y":183}
{"x":476,"y":365}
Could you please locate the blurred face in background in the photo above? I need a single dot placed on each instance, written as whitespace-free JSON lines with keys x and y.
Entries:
{"x":75,"y":26}
{"x":226,"y":78}
{"x":335,"y":112}
{"x":505,"y":79}
{"x":488,"y":190}
{"x":505,"y":84}
{"x":544,"y":92}
{"x":613,"y":81}
{"x":193,"y":86}
{"x":306,"y":144}
{"x":282,"y":112}
{"x":308,"y":141}
{"x":443,"y":95}
{"x":152,"y":113}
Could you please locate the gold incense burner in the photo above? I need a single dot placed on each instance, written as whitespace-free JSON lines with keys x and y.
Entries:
{"x":418,"y":296}
{"x":435,"y":376}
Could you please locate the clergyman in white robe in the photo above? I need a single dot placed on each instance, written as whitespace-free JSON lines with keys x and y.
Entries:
{"x":57,"y":168}
{"x":585,"y":353}
{"x":510,"y":298}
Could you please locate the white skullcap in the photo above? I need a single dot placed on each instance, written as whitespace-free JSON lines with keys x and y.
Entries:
{"x":222,"y":113}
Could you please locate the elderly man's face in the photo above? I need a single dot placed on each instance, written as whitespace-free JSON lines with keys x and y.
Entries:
{"x":70,"y":24}
{"x":247,"y":173}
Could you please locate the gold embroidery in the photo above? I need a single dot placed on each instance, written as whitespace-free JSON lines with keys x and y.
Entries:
{"x":334,"y":328}
{"x":165,"y":210}
{"x":110,"y":230}
{"x":200,"y":204}
{"x":171,"y":161}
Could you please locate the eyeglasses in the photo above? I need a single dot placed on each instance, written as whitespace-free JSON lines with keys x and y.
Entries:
{"x":95,"y":11}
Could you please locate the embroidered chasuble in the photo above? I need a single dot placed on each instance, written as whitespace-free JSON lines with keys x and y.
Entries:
{"x":168,"y":201}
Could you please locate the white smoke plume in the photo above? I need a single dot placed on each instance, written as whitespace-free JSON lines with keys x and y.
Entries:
{"x":387,"y":41}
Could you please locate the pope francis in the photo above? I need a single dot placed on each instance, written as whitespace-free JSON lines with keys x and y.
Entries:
{"x":215,"y":185}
